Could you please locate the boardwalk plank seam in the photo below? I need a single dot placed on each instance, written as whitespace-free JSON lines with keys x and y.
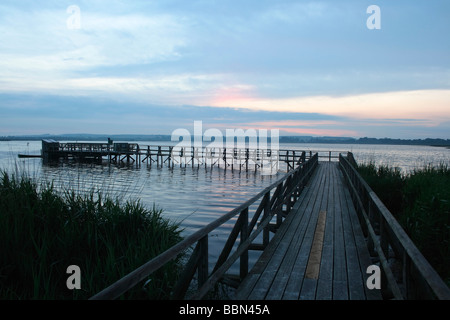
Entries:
{"x":325,"y":288}
{"x":308,"y":289}
{"x":305,"y":241}
{"x":361,"y":247}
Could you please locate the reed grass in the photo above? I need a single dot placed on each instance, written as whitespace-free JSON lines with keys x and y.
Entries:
{"x":420,"y":201}
{"x":43,"y":231}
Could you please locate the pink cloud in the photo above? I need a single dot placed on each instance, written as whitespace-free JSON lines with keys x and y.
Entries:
{"x":295,"y":127}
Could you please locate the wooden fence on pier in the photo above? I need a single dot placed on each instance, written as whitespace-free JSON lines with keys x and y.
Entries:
{"x":416,"y":278}
{"x":241,"y":159}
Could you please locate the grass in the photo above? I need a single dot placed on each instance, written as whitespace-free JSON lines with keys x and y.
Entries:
{"x":43,"y":231}
{"x":420,"y":201}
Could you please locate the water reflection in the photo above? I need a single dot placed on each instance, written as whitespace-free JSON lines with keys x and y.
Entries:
{"x":192,"y":196}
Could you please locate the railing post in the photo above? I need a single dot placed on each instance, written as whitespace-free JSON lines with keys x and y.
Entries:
{"x":384,"y":244}
{"x":203,"y":262}
{"x":370,"y":244}
{"x":266,"y":232}
{"x":280,"y":201}
{"x":186,"y":276}
{"x":244,"y":237}
{"x":406,"y":274}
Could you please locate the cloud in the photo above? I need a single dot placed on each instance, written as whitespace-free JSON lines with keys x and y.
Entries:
{"x":309,"y":66}
{"x":419,"y":104}
{"x":37,"y":42}
{"x":300,"y":127}
{"x":74,"y":114}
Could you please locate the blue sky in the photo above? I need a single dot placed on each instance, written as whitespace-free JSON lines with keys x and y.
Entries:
{"x":150,"y":67}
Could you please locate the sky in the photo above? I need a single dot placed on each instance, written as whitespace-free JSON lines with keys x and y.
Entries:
{"x":314,"y":68}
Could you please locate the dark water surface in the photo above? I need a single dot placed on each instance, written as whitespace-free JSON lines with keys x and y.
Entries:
{"x":194,"y":197}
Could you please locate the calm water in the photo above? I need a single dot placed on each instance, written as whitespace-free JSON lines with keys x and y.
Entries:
{"x":195,"y":197}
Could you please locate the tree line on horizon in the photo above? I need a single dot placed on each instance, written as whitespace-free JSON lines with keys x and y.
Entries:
{"x":282,"y":139}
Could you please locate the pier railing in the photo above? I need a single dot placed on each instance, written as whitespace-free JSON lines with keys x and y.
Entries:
{"x":274,"y":202}
{"x":326,"y":155}
{"x":417,"y":279}
{"x":226,"y":157}
{"x":240,"y":158}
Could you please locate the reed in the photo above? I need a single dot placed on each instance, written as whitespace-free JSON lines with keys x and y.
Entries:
{"x":420,"y":200}
{"x":426,"y":216}
{"x":387,"y":182}
{"x":43,"y":231}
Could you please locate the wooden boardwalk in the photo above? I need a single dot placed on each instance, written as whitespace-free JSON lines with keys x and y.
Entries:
{"x":319,"y":252}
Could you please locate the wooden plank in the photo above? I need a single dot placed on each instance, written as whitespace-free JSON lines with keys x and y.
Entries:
{"x":315,"y":256}
{"x":340,"y":290}
{"x":308,"y":289}
{"x":354,"y":274}
{"x":295,"y":283}
{"x":383,"y":260}
{"x":340,"y":266}
{"x":247,"y":286}
{"x":278,"y":251}
{"x":325,"y":285}
{"x":361,"y":247}
{"x":296,"y":235}
{"x":281,"y":278}
{"x":274,"y":249}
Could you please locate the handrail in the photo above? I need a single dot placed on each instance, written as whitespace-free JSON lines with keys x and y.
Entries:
{"x":418,"y":279}
{"x":286,"y":191}
{"x":193,"y":155}
{"x":324,"y":154}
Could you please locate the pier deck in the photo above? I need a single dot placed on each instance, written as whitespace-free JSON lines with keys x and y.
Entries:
{"x":319,"y":252}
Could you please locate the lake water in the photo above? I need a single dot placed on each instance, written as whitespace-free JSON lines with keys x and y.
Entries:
{"x":195,"y":197}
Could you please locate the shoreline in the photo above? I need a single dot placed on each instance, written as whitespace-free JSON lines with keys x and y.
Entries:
{"x":432,"y":142}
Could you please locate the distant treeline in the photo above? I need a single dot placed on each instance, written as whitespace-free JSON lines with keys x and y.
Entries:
{"x":365,"y":140}
{"x":89,"y":137}
{"x":283,"y":139}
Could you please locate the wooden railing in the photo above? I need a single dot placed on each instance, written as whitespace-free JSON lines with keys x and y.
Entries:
{"x":200,"y":155}
{"x":193,"y":155}
{"x":417,"y":279}
{"x":326,"y":155}
{"x":241,"y":158}
{"x":94,"y":147}
{"x":275,"y":200}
